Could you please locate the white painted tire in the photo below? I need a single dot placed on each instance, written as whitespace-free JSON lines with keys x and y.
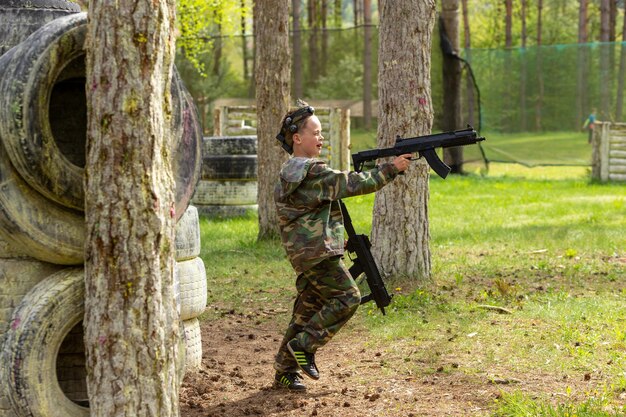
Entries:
{"x":188,"y":235}
{"x":193,"y":345}
{"x":216,"y":192}
{"x":191,"y":285}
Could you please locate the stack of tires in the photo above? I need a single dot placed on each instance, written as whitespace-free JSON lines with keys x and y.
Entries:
{"x":42,"y":158}
{"x":228,"y":183}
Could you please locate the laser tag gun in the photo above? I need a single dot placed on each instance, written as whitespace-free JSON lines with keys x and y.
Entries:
{"x":364,"y":263}
{"x":423,"y":145}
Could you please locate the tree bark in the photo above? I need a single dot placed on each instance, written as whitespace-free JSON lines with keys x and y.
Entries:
{"x":244,"y":42}
{"x":451,"y":118}
{"x":582,"y":58}
{"x":272,"y":73}
{"x":131,"y":322}
{"x":297,"y":50}
{"x":605,"y":60}
{"x":367,"y":64}
{"x":314,"y":64}
{"x":400,"y":231}
{"x":539,"y":69}
{"x":468,"y":56}
{"x":523,"y":72}
{"x":621,"y":84}
{"x":508,"y":29}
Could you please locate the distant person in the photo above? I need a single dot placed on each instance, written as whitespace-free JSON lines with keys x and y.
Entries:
{"x":590,"y":124}
{"x":312,"y":232}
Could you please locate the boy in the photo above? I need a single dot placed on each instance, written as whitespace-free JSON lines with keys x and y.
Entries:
{"x":312,"y":232}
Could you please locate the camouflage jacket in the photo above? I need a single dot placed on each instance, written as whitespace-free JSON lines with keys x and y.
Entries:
{"x":309,"y":217}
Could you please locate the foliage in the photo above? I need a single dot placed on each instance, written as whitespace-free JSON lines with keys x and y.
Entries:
{"x":346,"y":81}
{"x":200,"y":21}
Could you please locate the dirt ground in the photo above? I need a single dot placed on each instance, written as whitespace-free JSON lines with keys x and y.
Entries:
{"x":236,"y":378}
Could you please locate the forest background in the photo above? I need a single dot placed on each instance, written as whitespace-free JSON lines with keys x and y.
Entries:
{"x":540,"y":66}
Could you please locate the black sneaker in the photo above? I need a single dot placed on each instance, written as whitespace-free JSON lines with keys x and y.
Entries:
{"x":289,"y":380}
{"x":305,"y":360}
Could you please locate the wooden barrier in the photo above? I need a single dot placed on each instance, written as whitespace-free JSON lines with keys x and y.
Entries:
{"x":609,"y":152}
{"x":241,"y":120}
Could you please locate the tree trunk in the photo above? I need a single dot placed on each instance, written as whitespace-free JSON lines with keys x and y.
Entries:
{"x":131,"y":323}
{"x":508,"y":30}
{"x":337,"y":19}
{"x":272,"y":73}
{"x":367,"y":64}
{"x":324,"y":20}
{"x":314,"y":64}
{"x":621,"y":85}
{"x":605,"y":60}
{"x":400,"y":231}
{"x":468,"y":57}
{"x":297,"y":50}
{"x":582,"y":58}
{"x":524,"y":73}
{"x":539,"y":69}
{"x":244,"y":42}
{"x":451,"y":118}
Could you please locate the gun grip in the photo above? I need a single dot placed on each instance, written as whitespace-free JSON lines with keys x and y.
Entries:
{"x":435,"y":163}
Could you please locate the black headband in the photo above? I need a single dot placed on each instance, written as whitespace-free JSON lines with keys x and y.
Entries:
{"x":290,"y":125}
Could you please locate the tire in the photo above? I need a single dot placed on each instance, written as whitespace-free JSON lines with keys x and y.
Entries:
{"x":43,"y":355}
{"x":229,"y":167}
{"x":193,"y":345}
{"x":229,"y":145}
{"x":52,"y":55}
{"x":188,"y":235}
{"x":50,"y":312}
{"x":43,"y":121}
{"x":226,"y":193}
{"x":41,"y":4}
{"x":226,"y":212}
{"x":187,"y":161}
{"x":191,"y":284}
{"x":35,"y":226}
{"x":26,"y":20}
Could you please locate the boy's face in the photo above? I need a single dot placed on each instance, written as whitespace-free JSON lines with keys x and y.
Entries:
{"x":307,"y":142}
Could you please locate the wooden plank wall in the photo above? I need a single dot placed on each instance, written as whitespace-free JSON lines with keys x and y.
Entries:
{"x":609,"y":151}
{"x":241,"y":120}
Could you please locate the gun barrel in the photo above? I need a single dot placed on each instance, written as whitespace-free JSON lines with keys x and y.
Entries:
{"x":419,"y":144}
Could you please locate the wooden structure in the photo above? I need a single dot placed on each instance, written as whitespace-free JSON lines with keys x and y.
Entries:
{"x":609,"y":151}
{"x":241,"y":120}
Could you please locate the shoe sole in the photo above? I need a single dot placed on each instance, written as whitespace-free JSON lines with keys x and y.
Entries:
{"x":303,"y":370}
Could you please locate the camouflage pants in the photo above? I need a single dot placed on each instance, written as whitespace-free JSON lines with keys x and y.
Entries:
{"x":327,"y":298}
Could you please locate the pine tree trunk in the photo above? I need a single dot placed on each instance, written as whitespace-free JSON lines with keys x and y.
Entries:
{"x":367,"y":63}
{"x":621,"y":84}
{"x":539,"y":69}
{"x":468,"y":56}
{"x":451,"y":118}
{"x":272,"y":74}
{"x":582,"y":58}
{"x":400,"y":231}
{"x":297,"y":50}
{"x":131,"y":323}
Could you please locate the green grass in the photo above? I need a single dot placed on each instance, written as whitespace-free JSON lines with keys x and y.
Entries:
{"x":548,"y":247}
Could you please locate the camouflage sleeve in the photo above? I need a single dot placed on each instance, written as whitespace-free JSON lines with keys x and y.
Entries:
{"x":333,"y":185}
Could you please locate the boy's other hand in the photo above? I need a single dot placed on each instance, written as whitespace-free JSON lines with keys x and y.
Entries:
{"x":402,"y":162}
